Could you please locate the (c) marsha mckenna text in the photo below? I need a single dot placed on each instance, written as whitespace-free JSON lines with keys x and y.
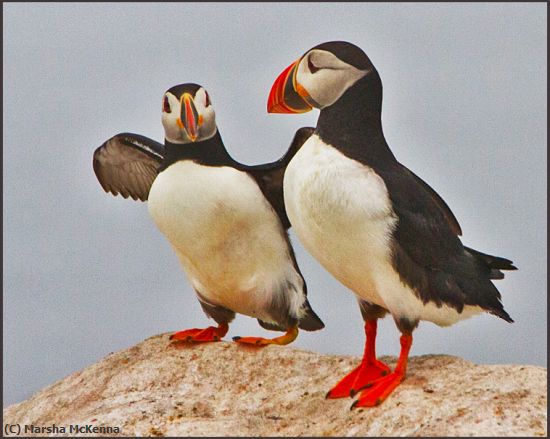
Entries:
{"x":74,"y":428}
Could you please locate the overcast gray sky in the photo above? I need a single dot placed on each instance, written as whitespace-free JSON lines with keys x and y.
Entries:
{"x":86,"y":273}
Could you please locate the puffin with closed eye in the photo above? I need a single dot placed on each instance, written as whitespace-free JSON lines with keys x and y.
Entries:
{"x":226,"y":221}
{"x":371,"y":222}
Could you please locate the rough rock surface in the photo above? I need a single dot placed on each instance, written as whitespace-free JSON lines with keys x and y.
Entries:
{"x":222,"y":389}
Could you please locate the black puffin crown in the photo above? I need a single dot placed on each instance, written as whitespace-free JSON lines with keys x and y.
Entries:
{"x":347,"y":52}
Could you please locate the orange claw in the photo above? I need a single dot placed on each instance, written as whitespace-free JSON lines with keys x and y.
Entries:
{"x":197,"y":335}
{"x":287,"y":338}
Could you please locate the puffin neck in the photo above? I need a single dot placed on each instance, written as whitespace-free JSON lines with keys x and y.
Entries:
{"x":210,"y":152}
{"x":353,"y":124}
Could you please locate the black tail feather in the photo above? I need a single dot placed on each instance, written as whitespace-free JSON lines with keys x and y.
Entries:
{"x":493,"y":263}
{"x":488,"y":296}
{"x":311,"y":321}
{"x":503,"y":315}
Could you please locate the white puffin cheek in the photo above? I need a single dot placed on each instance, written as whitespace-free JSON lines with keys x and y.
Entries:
{"x":335,"y":83}
{"x":323,"y":86}
{"x":308,"y":81}
{"x":172,"y":130}
{"x":208,"y":126}
{"x":327,"y":85}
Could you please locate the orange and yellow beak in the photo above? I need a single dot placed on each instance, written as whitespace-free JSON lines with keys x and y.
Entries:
{"x":287,"y":95}
{"x":189,"y":119}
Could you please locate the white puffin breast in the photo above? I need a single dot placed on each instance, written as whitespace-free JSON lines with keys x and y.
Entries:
{"x":227,"y":236}
{"x":341,"y":211}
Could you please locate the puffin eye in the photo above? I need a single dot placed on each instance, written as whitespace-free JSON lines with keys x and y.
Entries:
{"x":312,"y":67}
{"x":166,"y":105}
{"x":207,"y":103}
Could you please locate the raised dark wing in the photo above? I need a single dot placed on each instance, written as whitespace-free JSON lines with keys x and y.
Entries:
{"x":269,"y":176}
{"x":127,"y":164}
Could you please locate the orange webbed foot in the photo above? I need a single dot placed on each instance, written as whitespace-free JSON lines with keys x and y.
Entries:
{"x":359,"y":378}
{"x":368,"y":371}
{"x":285,"y":339}
{"x":197,"y":335}
{"x":254,"y":341}
{"x":378,"y":391}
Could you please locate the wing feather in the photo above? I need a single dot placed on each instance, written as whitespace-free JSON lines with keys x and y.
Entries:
{"x":127,"y":164}
{"x":427,"y":251}
{"x":439,"y":202}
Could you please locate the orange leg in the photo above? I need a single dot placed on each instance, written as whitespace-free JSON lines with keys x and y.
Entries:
{"x":287,"y":338}
{"x":369,"y":370}
{"x":382,"y":387}
{"x":197,"y":335}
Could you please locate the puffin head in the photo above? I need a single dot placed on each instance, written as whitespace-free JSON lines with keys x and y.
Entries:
{"x":319,"y":78}
{"x":187,"y":114}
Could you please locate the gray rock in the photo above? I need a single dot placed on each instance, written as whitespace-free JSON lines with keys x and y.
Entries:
{"x":223,"y":389}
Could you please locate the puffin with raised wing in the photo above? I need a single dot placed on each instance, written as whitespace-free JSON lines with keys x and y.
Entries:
{"x":371,"y":222}
{"x":226,"y":221}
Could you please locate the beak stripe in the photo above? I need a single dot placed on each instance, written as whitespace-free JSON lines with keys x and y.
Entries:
{"x":292,"y":99}
{"x":189,"y":116}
